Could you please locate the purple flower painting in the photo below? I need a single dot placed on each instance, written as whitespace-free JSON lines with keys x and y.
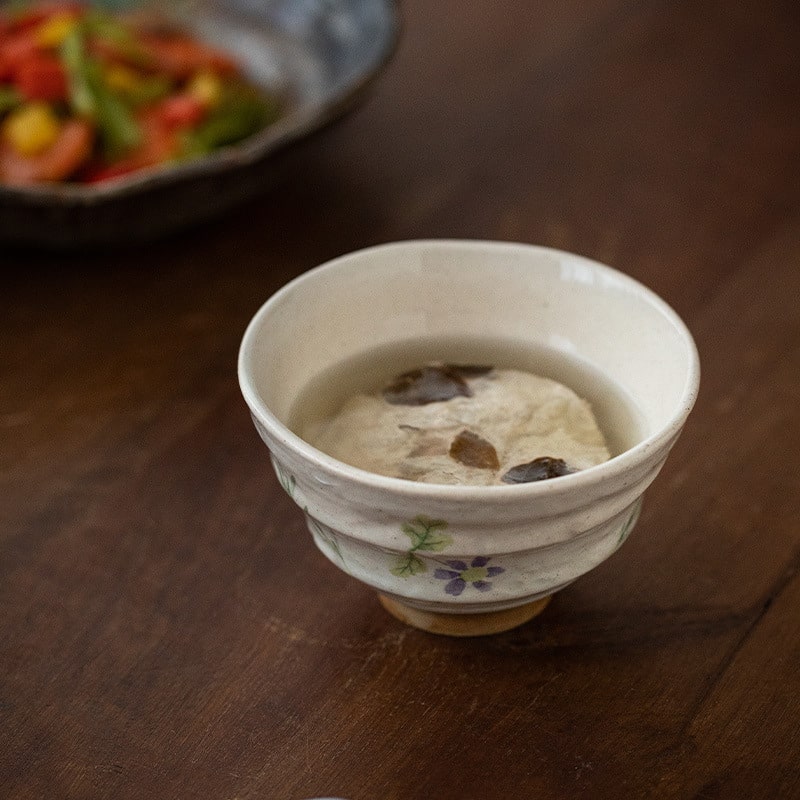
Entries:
{"x":460,"y":575}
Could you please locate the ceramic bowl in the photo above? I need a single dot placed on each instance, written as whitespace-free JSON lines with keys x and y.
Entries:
{"x":319,"y":55}
{"x":469,"y":560}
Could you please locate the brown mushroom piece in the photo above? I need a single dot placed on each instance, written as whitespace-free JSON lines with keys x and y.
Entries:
{"x":540,"y":469}
{"x":431,"y":384}
{"x":472,"y":450}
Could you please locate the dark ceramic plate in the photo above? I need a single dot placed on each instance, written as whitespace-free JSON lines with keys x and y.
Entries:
{"x":320,"y":54}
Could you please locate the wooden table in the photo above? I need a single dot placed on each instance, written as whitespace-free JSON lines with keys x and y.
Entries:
{"x":168,"y":628}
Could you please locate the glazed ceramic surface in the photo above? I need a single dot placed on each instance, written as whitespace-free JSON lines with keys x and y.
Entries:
{"x":466,"y":549}
{"x":319,"y":54}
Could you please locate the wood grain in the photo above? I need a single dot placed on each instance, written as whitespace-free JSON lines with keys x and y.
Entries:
{"x":168,"y":628}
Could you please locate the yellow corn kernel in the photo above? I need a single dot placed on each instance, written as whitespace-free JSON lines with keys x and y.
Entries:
{"x":31,"y":129}
{"x":52,"y":32}
{"x":206,"y":88}
{"x":122,"y":79}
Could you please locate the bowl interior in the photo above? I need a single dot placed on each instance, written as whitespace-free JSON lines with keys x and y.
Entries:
{"x":602,"y":333}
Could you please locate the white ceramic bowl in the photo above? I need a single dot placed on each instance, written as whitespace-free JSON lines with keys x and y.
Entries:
{"x":468,"y":560}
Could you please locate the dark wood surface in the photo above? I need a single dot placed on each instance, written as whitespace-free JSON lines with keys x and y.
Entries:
{"x":167,"y":628}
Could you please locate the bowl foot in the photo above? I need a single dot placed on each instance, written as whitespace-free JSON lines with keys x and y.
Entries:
{"x":483,"y":624}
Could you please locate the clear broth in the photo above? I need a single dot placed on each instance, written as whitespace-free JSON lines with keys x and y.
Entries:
{"x":618,"y":416}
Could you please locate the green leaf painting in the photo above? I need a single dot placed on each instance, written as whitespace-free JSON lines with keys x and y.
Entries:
{"x":408,"y":565}
{"x":426,"y":535}
{"x":325,"y":535}
{"x":628,"y":526}
{"x":286,"y":480}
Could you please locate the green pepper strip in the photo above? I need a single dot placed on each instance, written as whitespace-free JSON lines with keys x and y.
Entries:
{"x":241,"y":113}
{"x":90,"y":97}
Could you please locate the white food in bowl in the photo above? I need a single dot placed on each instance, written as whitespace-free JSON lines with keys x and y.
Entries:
{"x":520,"y":415}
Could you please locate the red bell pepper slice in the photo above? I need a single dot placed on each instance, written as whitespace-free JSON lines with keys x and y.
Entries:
{"x":41,"y":77}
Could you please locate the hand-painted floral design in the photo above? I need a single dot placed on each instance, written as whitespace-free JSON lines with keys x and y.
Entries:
{"x":460,"y":575}
{"x":625,"y":530}
{"x":285,"y":479}
{"x":324,"y":534}
{"x":425,"y":534}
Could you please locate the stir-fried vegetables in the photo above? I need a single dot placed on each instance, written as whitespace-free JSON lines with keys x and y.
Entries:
{"x":87,"y":97}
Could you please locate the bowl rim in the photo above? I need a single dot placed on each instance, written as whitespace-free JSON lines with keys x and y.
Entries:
{"x":609,"y":471}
